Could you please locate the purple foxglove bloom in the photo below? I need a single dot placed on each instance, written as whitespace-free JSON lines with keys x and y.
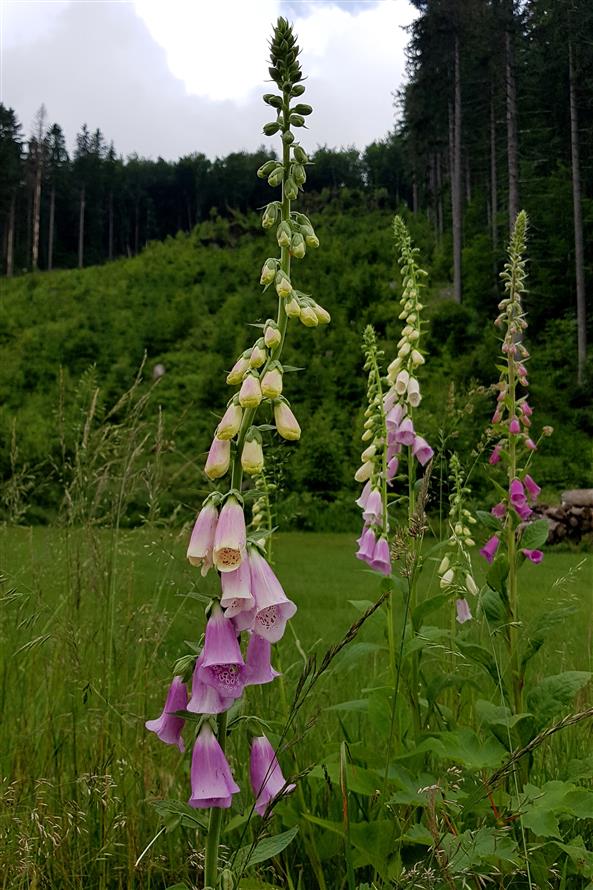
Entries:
{"x":219,"y":458}
{"x":244,"y":620}
{"x":392,"y":468}
{"x":394,"y":417}
{"x":463,"y":611}
{"x":517,"y":493}
{"x":367,"y":543}
{"x":393,"y":448}
{"x":495,"y":456}
{"x":532,"y":487}
{"x":286,"y":423}
{"x":514,"y":426}
{"x":222,"y":667}
{"x":405,"y":434}
{"x":422,"y":450}
{"x":499,"y":510}
{"x":201,"y":542}
{"x":364,"y":495}
{"x":230,"y":540}
{"x":389,"y":400}
{"x":250,"y":394}
{"x":167,"y":727}
{"x":535,"y":556}
{"x":530,"y":444}
{"x":374,"y":507}
{"x":381,"y":561}
{"x":526,"y":410}
{"x":489,"y":549}
{"x":212,"y":783}
{"x":523,"y":511}
{"x":257,"y":662}
{"x":497,"y":416}
{"x":205,"y":699}
{"x":265,"y":774}
{"x":236,"y":591}
{"x":272,"y":607}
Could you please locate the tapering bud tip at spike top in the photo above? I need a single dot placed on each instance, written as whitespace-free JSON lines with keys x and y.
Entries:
{"x":284,"y":69}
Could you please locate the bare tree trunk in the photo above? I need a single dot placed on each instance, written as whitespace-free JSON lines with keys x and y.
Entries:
{"x":36,"y":208}
{"x":10,"y":237}
{"x":493,"y":176}
{"x":512,"y":129}
{"x":414,"y":192}
{"x":456,"y":178}
{"x":136,"y":229}
{"x":468,"y":181}
{"x":81,"y":227}
{"x":50,"y":234}
{"x":578,"y":223}
{"x":439,"y":196}
{"x":110,"y":228}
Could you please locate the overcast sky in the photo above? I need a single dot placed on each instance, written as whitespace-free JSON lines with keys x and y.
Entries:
{"x":169,"y":77}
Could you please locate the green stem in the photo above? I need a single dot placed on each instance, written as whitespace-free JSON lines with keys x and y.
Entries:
{"x":215,"y":822}
{"x":513,"y":635}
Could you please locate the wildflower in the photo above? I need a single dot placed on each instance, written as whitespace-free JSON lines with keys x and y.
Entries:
{"x":532,"y":487}
{"x":252,"y":455}
{"x":495,"y":456}
{"x":405,"y":434}
{"x":414,"y":396}
{"x":206,"y":699}
{"x":168,"y":727}
{"x":374,"y":507}
{"x":471,"y":585}
{"x":250,"y":394}
{"x":364,"y":495}
{"x":514,"y":426}
{"x":201,"y":542}
{"x":272,"y":607}
{"x":286,"y":423}
{"x":499,"y":510}
{"x":323,"y":316}
{"x":534,"y":556}
{"x":212,"y":783}
{"x":238,"y":370}
{"x":530,"y":444}
{"x":272,"y":335}
{"x":258,"y":354}
{"x":219,"y":458}
{"x":447,"y":578}
{"x":401,"y":382}
{"x":222,"y":667}
{"x":381,"y":561}
{"x":422,"y":450}
{"x":463,"y":611}
{"x":230,"y":537}
{"x":265,"y":774}
{"x":366,"y":545}
{"x":517,"y":493}
{"x":231,"y":422}
{"x":271,"y":383}
{"x":489,"y":549}
{"x":258,"y":669}
{"x":308,"y":316}
{"x":236,"y":590}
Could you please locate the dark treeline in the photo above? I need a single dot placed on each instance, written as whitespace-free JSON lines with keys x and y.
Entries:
{"x":498,"y":115}
{"x":62,"y":211}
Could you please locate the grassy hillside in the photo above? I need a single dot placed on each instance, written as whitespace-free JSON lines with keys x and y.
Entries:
{"x":186,"y":303}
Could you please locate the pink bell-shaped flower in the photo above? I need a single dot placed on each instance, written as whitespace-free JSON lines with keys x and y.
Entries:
{"x":212,"y":783}
{"x":206,"y":699}
{"x":422,"y":450}
{"x":373,"y":511}
{"x":489,"y":549}
{"x":236,"y":591}
{"x":534,"y":556}
{"x":463,"y":611}
{"x":532,"y":487}
{"x":201,"y":542}
{"x":230,"y":538}
{"x":405,"y":434}
{"x":265,"y":774}
{"x":258,"y":669}
{"x":222,"y":667}
{"x":272,"y":607}
{"x":219,"y":458}
{"x":381,"y":561}
{"x":168,"y":727}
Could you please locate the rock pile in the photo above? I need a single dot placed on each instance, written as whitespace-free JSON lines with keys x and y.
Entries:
{"x":572,"y":519}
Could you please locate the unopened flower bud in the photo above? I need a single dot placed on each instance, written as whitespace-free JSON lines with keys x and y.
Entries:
{"x":271,"y":383}
{"x":283,"y":285}
{"x":268,"y":272}
{"x":273,"y":99}
{"x":302,"y":109}
{"x":298,"y":89}
{"x":308,"y":317}
{"x":288,"y":137}
{"x":230,"y":422}
{"x":236,"y":373}
{"x":401,"y":382}
{"x":299,"y":174}
{"x":272,"y":335}
{"x":258,"y":354}
{"x":286,"y":423}
{"x":548,"y":430}
{"x":323,"y":316}
{"x":471,"y":585}
{"x":297,"y":120}
{"x":270,"y":215}
{"x":219,"y":458}
{"x":447,"y":578}
{"x":300,"y":156}
{"x":292,"y":308}
{"x":297,"y":246}
{"x":444,"y":565}
{"x":368,"y":453}
{"x":364,"y":472}
{"x":417,"y":358}
{"x":252,"y":455}
{"x":405,"y":349}
{"x":283,"y":234}
{"x":414,"y":396}
{"x":291,"y":190}
{"x":272,"y":128}
{"x":250,"y":394}
{"x":266,"y":169}
{"x":276,"y":176}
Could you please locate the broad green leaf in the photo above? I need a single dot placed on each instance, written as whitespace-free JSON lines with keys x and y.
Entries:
{"x":265,"y":849}
{"x":480,"y":655}
{"x":418,"y":834}
{"x":543,"y":822}
{"x":535,"y":535}
{"x":360,"y":704}
{"x":465,"y":747}
{"x":555,"y":694}
{"x":360,"y":780}
{"x":173,"y":813}
{"x":578,"y":854}
{"x":489,"y":520}
{"x":497,"y":715}
{"x":493,"y":606}
{"x":497,"y":575}
{"x":428,"y":606}
{"x":427,"y":638}
{"x":374,"y":843}
{"x":348,"y":659}
{"x":361,"y":605}
{"x":538,"y":630}
{"x":486,"y":846}
{"x":255,"y":884}
{"x":177,"y":887}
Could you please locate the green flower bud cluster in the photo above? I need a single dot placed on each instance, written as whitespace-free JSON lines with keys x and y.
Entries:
{"x":455,"y":569}
{"x":402,"y":371}
{"x":374,"y":432}
{"x":285,"y":69}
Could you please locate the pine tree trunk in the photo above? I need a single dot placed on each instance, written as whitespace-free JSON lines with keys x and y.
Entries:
{"x":493,"y":176}
{"x":36,"y":211}
{"x":456,"y":177}
{"x":578,"y":223}
{"x":110,"y":228}
{"x":440,"y":213}
{"x":512,"y":129}
{"x":468,"y":181}
{"x":81,"y":227}
{"x":50,"y":234}
{"x":10,"y":237}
